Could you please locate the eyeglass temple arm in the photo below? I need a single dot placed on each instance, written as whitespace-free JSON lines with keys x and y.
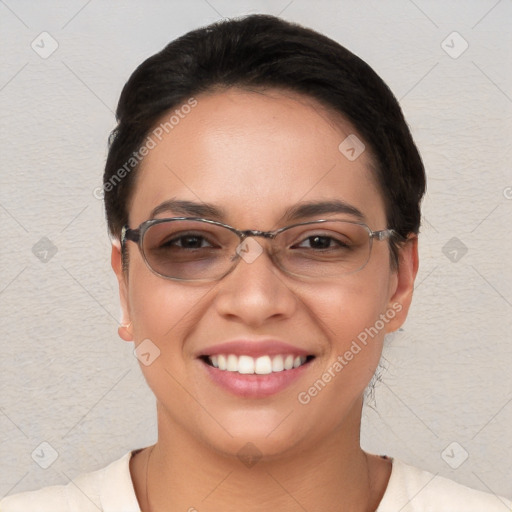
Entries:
{"x":386,"y":233}
{"x":129,"y":234}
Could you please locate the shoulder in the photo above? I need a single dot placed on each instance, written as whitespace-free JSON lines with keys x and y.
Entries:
{"x":411,"y":489}
{"x":109,"y":489}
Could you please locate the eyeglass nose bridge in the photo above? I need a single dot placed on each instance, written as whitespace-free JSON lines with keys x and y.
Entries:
{"x":247,"y":233}
{"x":254,"y":254}
{"x":269,"y":235}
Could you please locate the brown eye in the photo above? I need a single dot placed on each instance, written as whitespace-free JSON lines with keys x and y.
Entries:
{"x":321,"y":242}
{"x":187,"y":242}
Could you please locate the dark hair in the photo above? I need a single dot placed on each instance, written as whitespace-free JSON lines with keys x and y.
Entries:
{"x":262,"y":51}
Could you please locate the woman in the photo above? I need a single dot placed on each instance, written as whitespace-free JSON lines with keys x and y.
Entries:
{"x":263,"y":191}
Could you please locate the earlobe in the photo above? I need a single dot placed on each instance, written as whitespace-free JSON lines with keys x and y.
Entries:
{"x":124,"y":331}
{"x":401,"y":297}
{"x":125,"y":328}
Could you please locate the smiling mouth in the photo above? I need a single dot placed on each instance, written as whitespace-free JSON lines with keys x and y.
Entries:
{"x":263,"y":365}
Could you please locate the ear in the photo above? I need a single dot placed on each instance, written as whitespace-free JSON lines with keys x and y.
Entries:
{"x":403,"y":284}
{"x":125,"y":328}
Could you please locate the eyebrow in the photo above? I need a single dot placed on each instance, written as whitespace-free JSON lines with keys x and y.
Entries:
{"x":315,"y":208}
{"x":189,"y":209}
{"x":296,"y":212}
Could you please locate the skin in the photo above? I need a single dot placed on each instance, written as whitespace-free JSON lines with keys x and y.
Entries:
{"x":255,"y":154}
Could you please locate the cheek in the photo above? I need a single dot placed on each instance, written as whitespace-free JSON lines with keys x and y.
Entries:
{"x":353,"y":318}
{"x":164,"y":314}
{"x":346,"y":309}
{"x":164,"y":311}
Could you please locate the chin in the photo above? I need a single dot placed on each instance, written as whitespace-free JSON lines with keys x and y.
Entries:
{"x":268,"y":433}
{"x":252,"y":447}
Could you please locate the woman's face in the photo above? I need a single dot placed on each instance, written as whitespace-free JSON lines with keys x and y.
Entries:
{"x":254,"y":156}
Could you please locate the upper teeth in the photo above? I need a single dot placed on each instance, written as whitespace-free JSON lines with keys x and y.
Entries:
{"x":260,"y":365}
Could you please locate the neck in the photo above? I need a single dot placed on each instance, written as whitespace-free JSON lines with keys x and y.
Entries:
{"x":184,"y":474}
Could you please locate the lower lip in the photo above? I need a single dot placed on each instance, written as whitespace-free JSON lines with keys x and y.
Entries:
{"x":254,"y":386}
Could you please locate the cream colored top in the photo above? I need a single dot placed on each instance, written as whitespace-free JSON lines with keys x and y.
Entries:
{"x":110,"y":489}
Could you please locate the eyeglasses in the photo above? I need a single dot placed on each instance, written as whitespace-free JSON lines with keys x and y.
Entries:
{"x":195,"y":249}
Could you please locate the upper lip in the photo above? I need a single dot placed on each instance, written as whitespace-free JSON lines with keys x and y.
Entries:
{"x":254,"y":348}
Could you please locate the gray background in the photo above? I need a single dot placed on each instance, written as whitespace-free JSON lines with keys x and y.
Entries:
{"x":69,"y":381}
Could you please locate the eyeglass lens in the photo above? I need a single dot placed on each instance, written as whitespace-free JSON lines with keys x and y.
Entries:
{"x":196,"y":250}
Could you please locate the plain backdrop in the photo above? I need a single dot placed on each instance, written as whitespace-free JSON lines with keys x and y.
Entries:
{"x":68,"y":381}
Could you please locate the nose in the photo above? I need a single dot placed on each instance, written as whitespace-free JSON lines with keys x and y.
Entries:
{"x":256,"y":291}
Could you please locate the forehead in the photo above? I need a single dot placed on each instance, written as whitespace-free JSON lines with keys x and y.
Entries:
{"x":255,"y":154}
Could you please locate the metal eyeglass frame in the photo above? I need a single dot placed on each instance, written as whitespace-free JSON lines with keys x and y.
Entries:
{"x":137,"y":235}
